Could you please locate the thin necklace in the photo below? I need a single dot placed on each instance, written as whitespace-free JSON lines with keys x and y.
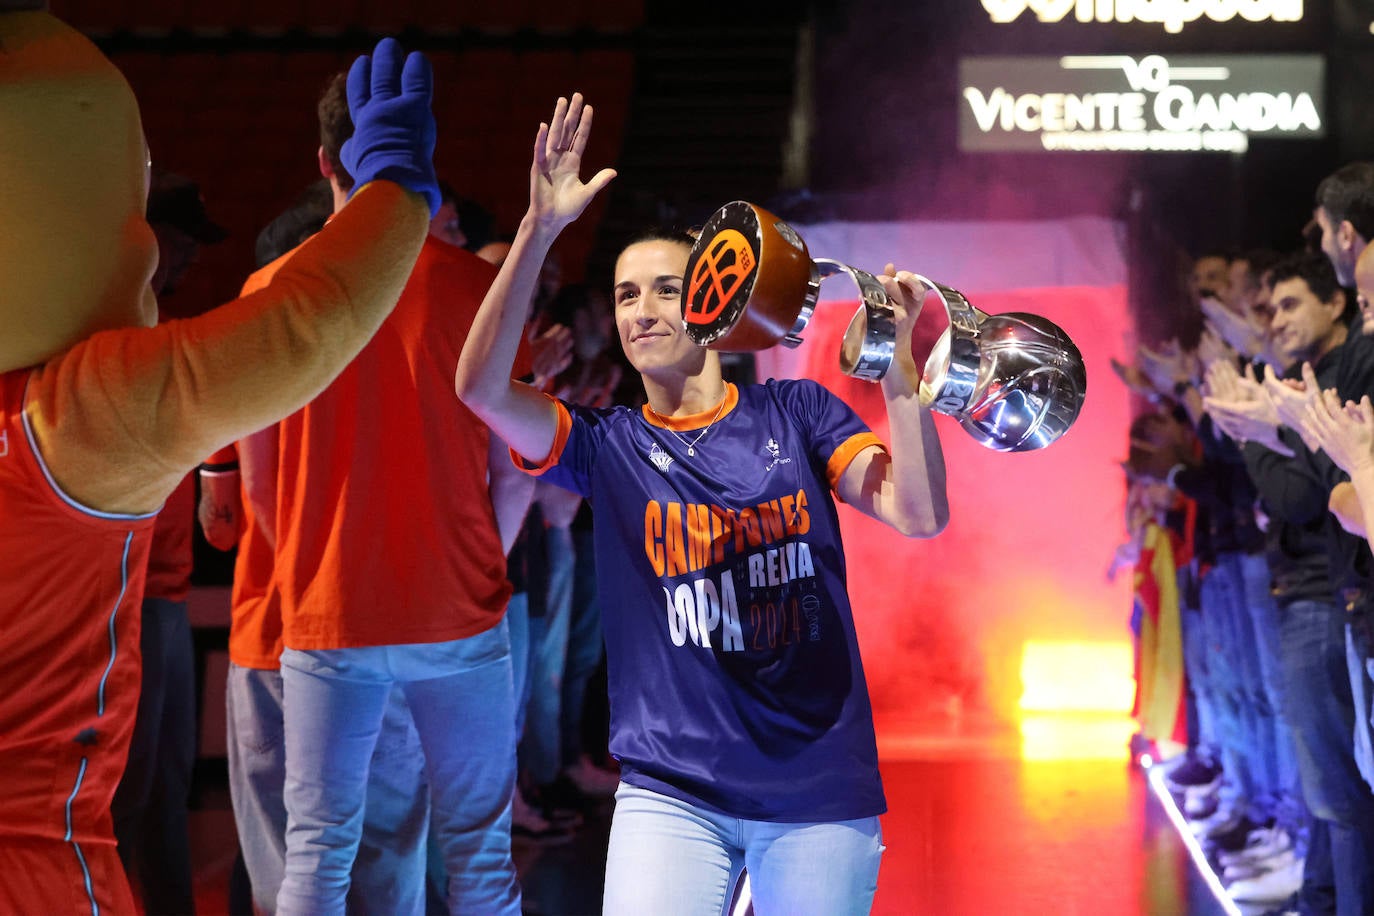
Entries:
{"x":691,"y":446}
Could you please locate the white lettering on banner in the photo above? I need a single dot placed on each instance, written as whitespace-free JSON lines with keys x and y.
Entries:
{"x":1162,"y":111}
{"x":1055,"y":111}
{"x":1177,"y":108}
{"x":1172,"y":14}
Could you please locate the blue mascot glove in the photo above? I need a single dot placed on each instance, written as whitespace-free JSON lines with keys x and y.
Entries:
{"x":393,"y":127}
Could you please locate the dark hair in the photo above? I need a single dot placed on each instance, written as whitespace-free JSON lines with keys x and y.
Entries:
{"x":336,"y":125}
{"x":477,"y":222}
{"x":1348,"y":194}
{"x":660,"y":234}
{"x":1223,"y":254}
{"x":1258,"y":261}
{"x":1316,"y":271}
{"x":297,"y":223}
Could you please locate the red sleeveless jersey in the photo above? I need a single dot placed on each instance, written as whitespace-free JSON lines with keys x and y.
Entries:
{"x":71,"y":581}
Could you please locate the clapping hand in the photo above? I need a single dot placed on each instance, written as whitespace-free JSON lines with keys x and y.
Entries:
{"x":1235,"y":329}
{"x":1291,"y":399}
{"x":1238,"y":406}
{"x":1168,"y":367}
{"x":1212,"y":348}
{"x":1135,"y":379}
{"x":1345,"y":433}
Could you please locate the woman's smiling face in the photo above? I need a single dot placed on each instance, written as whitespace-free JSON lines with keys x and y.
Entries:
{"x":648,"y":307}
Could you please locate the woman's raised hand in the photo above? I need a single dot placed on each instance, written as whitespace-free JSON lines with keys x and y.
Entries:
{"x":557,"y":193}
{"x":907,"y":294}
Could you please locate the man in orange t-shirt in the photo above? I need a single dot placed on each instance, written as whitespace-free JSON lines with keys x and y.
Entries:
{"x":237,"y":487}
{"x":391,"y":570}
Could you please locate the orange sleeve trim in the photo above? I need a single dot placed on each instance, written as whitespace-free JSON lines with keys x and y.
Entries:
{"x":843,"y":456}
{"x":560,"y":441}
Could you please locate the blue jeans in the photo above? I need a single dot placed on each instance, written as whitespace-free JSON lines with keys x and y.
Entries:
{"x":667,"y":856}
{"x":1230,"y":661}
{"x":518,"y":626}
{"x":388,"y":874}
{"x":150,"y":805}
{"x":1281,"y":794}
{"x":1357,"y":659}
{"x":461,"y":698}
{"x":1274,"y":765}
{"x":541,"y":746}
{"x":518,"y":623}
{"x":1320,"y":709}
{"x":1202,"y":730}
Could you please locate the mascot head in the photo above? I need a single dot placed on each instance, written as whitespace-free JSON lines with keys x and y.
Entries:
{"x":76,"y":254}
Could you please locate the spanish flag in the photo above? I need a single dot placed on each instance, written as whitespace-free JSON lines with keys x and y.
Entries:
{"x":1161,"y":701}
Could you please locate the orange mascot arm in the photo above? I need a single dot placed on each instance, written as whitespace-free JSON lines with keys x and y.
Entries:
{"x":123,"y":415}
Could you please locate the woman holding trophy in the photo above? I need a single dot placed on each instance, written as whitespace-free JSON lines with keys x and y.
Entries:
{"x":739,"y":710}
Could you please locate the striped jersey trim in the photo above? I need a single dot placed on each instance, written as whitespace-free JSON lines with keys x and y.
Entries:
{"x":52,"y":481}
{"x":76,"y":847}
{"x":114,"y":641}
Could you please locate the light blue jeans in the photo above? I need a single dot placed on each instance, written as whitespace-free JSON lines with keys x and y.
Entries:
{"x":1282,"y":795}
{"x":667,"y":856}
{"x":1245,"y":720}
{"x":460,"y":696}
{"x":387,"y":875}
{"x":1361,"y":681}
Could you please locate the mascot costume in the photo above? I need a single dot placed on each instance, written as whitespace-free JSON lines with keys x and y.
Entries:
{"x":103,"y":411}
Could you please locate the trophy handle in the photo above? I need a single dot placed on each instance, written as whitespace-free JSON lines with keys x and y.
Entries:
{"x":949,"y":380}
{"x":869,"y":341}
{"x":792,"y":339}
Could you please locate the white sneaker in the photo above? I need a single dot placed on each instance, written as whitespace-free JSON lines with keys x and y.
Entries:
{"x":1256,"y":867}
{"x":1261,"y":844}
{"x":1271,"y":887}
{"x":1198,"y":805}
{"x":1226,"y":817}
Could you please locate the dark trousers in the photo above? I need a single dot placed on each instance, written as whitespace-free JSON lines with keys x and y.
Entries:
{"x":150,"y":805}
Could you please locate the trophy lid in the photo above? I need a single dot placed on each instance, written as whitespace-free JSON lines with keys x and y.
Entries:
{"x":748,"y":278}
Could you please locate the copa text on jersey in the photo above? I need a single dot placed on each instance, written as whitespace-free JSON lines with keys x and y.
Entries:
{"x":699,"y":607}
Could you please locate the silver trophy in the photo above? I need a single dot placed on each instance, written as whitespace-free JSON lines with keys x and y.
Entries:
{"x":1014,"y":381}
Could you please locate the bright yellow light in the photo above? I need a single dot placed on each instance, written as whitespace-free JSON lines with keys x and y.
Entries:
{"x":1077,"y":677}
